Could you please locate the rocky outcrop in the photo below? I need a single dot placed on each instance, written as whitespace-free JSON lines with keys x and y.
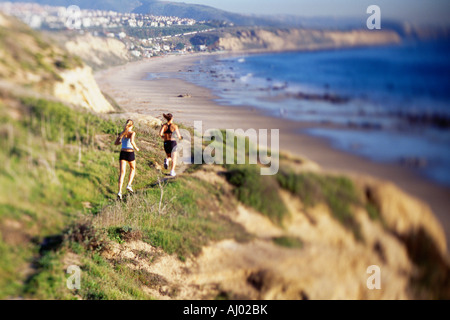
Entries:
{"x":301,"y":39}
{"x":98,"y":52}
{"x":403,"y":214}
{"x":330,"y":263}
{"x":30,"y":60}
{"x":78,"y":87}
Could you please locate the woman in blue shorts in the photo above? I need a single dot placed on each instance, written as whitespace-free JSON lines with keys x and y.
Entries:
{"x":126,"y":137}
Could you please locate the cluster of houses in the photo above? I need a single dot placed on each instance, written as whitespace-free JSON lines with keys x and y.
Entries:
{"x":103,"y":23}
{"x":52,"y":17}
{"x":149,"y":47}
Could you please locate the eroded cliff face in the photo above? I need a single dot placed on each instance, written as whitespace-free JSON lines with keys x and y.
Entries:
{"x":98,"y":52}
{"x":331,"y":263}
{"x":79,"y":87}
{"x":31,"y":60}
{"x":298,"y":39}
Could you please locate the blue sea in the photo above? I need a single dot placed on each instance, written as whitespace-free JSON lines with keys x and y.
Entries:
{"x":389,"y":104}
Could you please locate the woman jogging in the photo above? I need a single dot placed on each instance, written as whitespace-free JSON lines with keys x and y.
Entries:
{"x":170,"y":145}
{"x":127,"y":155}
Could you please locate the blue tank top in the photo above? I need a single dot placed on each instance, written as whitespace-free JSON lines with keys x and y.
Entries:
{"x":126,"y":143}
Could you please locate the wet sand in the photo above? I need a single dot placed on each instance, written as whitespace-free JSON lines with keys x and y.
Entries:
{"x":127,"y":85}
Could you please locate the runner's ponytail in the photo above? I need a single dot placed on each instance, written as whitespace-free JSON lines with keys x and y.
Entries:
{"x":128,"y":125}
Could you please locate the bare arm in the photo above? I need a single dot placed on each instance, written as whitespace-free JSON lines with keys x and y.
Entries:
{"x":132,"y":141}
{"x":117,"y":142}
{"x":178,"y":133}
{"x":161,"y":134}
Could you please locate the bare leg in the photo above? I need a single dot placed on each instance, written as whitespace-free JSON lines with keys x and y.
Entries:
{"x":174,"y":160}
{"x":132,"y":171}
{"x":168,"y":158}
{"x":123,"y":168}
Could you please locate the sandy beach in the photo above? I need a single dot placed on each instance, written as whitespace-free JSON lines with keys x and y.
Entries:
{"x":127,"y":85}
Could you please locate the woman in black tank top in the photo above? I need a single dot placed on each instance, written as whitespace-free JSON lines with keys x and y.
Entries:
{"x":170,"y":145}
{"x":168,"y":131}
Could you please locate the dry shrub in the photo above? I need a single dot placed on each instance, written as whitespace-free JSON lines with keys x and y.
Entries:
{"x":88,"y":236}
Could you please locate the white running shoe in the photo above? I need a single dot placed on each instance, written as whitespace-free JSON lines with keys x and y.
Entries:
{"x":130,"y":189}
{"x":166,"y":163}
{"x":172,"y":173}
{"x":119,"y":196}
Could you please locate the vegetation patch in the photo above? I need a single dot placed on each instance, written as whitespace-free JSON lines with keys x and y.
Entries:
{"x":124,"y":234}
{"x":432,"y":279}
{"x":338,"y":193}
{"x":288,"y":242}
{"x":257,"y":191}
{"x":180,"y":222}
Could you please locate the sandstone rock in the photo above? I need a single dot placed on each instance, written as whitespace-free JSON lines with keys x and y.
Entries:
{"x":302,"y":39}
{"x":78,"y":87}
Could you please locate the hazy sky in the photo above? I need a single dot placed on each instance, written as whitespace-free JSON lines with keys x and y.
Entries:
{"x":420,"y":11}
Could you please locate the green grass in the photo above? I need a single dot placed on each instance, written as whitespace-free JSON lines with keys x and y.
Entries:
{"x":288,"y":242}
{"x":238,"y":147}
{"x":338,"y":193}
{"x":105,"y":281}
{"x":257,"y":191}
{"x":55,"y":122}
{"x":46,"y":181}
{"x":59,"y":179}
{"x":28,"y":51}
{"x":100,"y":279}
{"x":63,"y":176}
{"x":182,"y":226}
{"x":50,"y":281}
{"x":12,"y":258}
{"x":374,"y":213}
{"x":57,"y":174}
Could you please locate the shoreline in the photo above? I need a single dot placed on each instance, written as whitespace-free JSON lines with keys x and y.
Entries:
{"x":126,"y":84}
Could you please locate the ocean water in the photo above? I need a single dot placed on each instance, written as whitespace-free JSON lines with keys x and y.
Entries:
{"x":388,"y":104}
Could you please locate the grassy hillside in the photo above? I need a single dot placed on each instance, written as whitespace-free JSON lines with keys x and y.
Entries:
{"x":58,"y":208}
{"x":60,"y":179}
{"x":213,"y":232}
{"x":199,"y":13}
{"x":29,"y":59}
{"x":42,"y":182}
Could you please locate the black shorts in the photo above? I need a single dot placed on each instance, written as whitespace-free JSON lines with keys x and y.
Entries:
{"x":170,"y":146}
{"x":127,"y":156}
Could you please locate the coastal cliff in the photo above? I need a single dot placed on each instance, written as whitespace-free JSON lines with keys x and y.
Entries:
{"x":311,"y":254}
{"x":79,"y":87}
{"x":302,"y":39}
{"x":30,"y":60}
{"x":97,"y":52}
